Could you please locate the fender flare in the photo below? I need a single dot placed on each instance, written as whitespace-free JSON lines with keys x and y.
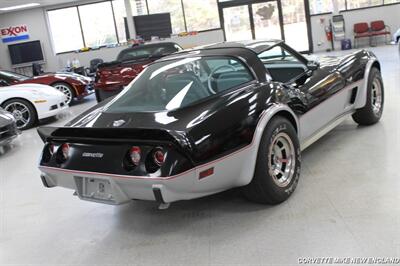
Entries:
{"x":274,"y":110}
{"x":362,"y":94}
{"x":21,"y":98}
{"x":69,"y":84}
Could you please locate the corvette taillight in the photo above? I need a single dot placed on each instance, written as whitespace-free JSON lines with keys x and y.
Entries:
{"x":63,"y":153}
{"x":135,"y":155}
{"x":132,"y":158}
{"x":155,"y":159}
{"x":48,"y":152}
{"x":159,"y":157}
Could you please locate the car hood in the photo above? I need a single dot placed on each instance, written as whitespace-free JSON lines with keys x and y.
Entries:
{"x":34,"y":88}
{"x":63,"y":76}
{"x":334,"y":62}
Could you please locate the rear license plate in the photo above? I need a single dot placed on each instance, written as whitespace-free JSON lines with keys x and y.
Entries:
{"x":99,"y":189}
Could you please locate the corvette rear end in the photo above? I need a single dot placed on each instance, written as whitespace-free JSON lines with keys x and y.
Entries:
{"x":155,"y":165}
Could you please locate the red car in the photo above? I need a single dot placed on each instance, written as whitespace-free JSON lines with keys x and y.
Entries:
{"x":112,"y":77}
{"x":72,"y":85}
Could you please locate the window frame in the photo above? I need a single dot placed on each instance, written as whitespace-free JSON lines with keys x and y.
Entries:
{"x":295,"y":54}
{"x":112,"y":15}
{"x":76,"y":6}
{"x":354,"y":9}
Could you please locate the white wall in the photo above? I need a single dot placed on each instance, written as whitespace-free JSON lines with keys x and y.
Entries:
{"x":389,"y":14}
{"x":35,"y":19}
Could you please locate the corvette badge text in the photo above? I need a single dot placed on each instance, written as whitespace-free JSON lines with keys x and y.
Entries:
{"x":14,"y":33}
{"x":92,"y":155}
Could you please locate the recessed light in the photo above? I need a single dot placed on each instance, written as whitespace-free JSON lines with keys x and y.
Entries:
{"x":19,"y":6}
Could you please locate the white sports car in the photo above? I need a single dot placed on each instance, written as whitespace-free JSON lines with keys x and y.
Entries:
{"x":29,"y":103}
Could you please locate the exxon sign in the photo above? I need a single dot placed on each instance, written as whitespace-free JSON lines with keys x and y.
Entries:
{"x":13,"y":34}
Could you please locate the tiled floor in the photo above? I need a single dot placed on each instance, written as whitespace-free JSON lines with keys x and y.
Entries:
{"x":347,"y":204}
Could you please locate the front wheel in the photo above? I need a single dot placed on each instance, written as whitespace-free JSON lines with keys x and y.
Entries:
{"x":277,"y":169}
{"x":23,"y":111}
{"x":371,"y":113}
{"x":67,"y":90}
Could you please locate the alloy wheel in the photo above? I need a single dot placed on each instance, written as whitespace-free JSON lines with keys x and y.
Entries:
{"x":376,"y":96}
{"x":66,"y":90}
{"x":20,"y":112}
{"x":282,"y":160}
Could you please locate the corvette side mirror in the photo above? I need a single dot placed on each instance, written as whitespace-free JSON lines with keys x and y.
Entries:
{"x":312,"y":65}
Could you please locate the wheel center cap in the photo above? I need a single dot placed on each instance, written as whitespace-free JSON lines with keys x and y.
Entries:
{"x":17,"y":115}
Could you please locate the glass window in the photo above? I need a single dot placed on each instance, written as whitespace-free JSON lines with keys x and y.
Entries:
{"x":139,"y":7}
{"x":282,"y":65}
{"x":97,"y":24}
{"x":120,"y":14}
{"x":320,"y":6}
{"x":295,"y":25}
{"x":174,"y":7}
{"x":341,"y":4}
{"x":237,"y":23}
{"x":66,"y":36}
{"x":391,"y":1}
{"x":147,"y":51}
{"x":363,"y":3}
{"x":201,"y":15}
{"x":175,"y":84}
{"x":266,"y":20}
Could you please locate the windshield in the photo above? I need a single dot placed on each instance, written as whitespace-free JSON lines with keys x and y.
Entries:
{"x":13,"y":76}
{"x":178,"y":83}
{"x":147,"y":51}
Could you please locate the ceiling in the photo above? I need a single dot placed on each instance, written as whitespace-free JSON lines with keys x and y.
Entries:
{"x":8,"y":3}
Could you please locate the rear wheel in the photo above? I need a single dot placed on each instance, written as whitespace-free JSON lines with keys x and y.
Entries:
{"x":67,"y":90}
{"x":23,"y":111}
{"x":372,"y":111}
{"x":277,"y":169}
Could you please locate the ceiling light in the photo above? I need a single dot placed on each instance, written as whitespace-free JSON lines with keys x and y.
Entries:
{"x":19,"y":6}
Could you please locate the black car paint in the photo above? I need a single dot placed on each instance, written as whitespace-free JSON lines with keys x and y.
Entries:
{"x":204,"y":131}
{"x":8,"y":128}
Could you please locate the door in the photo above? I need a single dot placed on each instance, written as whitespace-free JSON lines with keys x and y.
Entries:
{"x":273,"y":19}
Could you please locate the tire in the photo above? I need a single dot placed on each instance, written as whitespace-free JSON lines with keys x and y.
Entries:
{"x":268,"y":186}
{"x":23,"y":111}
{"x":371,"y":113}
{"x":67,"y":90}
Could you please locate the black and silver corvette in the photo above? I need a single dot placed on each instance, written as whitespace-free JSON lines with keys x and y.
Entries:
{"x":8,"y":127}
{"x":205,"y":120}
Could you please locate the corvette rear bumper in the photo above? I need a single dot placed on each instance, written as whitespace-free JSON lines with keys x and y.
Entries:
{"x":124,"y":189}
{"x":217,"y":176}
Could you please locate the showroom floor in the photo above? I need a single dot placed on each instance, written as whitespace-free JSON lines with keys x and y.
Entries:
{"x":347,"y":204}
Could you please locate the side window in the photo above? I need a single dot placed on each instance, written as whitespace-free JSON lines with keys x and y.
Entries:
{"x":226,"y":74}
{"x":282,"y":65}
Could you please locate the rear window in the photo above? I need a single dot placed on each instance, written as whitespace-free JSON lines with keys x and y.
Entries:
{"x":147,"y":51}
{"x":178,"y":83}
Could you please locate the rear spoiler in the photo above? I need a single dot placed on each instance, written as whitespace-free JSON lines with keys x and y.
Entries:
{"x":120,"y":135}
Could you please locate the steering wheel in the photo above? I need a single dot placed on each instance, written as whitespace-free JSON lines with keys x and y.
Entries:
{"x":211,"y":78}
